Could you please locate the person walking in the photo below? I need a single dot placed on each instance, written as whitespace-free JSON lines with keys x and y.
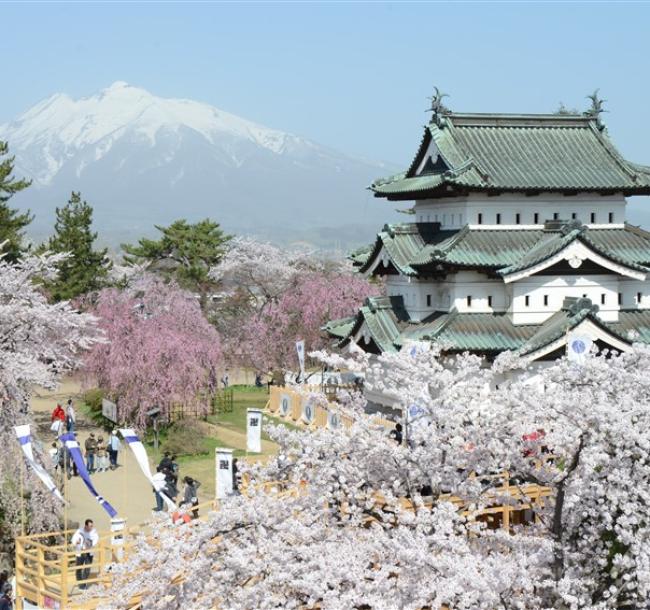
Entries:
{"x":114,"y":446}
{"x":102,"y":455}
{"x":91,"y":448}
{"x":84,"y":539}
{"x":190,"y":495}
{"x":5,"y":597}
{"x":58,"y":420}
{"x":70,"y":417}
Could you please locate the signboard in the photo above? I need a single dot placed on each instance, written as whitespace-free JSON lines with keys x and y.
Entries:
{"x":109,"y":410}
{"x":285,"y":404}
{"x":223,"y":463}
{"x":308,"y":412}
{"x":254,"y":430}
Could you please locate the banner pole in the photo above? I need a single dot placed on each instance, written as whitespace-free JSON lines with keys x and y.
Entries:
{"x":65,"y":489}
{"x":22,"y":494}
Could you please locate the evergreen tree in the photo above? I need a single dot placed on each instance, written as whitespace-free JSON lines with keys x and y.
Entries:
{"x":185,"y":251}
{"x":12,"y":222}
{"x":85,"y":269}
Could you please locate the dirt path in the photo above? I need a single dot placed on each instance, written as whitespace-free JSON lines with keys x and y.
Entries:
{"x":126,"y":488}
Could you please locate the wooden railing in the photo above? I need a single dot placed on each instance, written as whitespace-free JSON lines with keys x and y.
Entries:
{"x":46,"y":566}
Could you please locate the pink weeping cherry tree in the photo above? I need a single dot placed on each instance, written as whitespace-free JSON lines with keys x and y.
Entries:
{"x":161,"y":351}
{"x":277,"y":296}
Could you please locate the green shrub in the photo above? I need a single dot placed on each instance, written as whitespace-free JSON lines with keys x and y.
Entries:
{"x":185,"y":437}
{"x":93,"y":401}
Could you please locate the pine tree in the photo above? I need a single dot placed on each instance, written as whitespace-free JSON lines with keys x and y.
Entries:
{"x":185,"y":251}
{"x":12,"y":222}
{"x":85,"y":269}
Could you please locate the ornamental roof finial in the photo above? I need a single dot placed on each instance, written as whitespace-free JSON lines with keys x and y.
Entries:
{"x":596,"y":108}
{"x":437,"y":108}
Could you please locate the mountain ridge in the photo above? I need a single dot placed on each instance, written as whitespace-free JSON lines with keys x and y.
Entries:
{"x":143,"y":160}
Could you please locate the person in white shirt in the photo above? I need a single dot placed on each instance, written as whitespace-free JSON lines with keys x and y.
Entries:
{"x":114,"y":446}
{"x":70,"y":418}
{"x":83,"y":539}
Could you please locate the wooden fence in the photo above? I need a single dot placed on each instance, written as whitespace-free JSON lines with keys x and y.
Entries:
{"x":46,"y":566}
{"x":297,"y":407}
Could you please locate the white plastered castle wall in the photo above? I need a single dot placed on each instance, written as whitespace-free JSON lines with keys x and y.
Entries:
{"x":516,"y":209}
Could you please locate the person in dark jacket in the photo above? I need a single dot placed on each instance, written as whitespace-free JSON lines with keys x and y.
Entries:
{"x":190,"y":495}
{"x":396,"y":434}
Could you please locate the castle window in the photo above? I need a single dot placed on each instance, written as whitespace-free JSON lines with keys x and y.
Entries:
{"x":638,"y":298}
{"x":469,"y":301}
{"x":556,"y":215}
{"x":536,"y":218}
{"x":602,"y":299}
{"x":592,"y":217}
{"x":435,"y":218}
{"x":498,"y":219}
{"x":460,"y":219}
{"x":611,"y":217}
{"x":489,"y":300}
{"x":620,"y":298}
{"x":527,"y":301}
{"x":444,"y":219}
{"x":545,"y":300}
{"x":573,"y":216}
{"x":452,"y":220}
{"x":428,"y":300}
{"x":480,"y":218}
{"x":428,"y":217}
{"x":517,"y":218}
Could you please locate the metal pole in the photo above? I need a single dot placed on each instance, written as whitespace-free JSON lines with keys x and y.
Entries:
{"x":22,"y":494}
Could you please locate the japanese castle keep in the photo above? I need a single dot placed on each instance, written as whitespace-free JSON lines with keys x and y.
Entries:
{"x":518,"y":240}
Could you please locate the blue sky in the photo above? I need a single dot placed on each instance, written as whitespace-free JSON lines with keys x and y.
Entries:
{"x":352,"y":76}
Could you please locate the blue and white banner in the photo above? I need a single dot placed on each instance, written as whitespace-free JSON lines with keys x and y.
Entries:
{"x":254,"y":430}
{"x":578,"y":348}
{"x":72,"y":446}
{"x":25,"y":439}
{"x":140,"y":453}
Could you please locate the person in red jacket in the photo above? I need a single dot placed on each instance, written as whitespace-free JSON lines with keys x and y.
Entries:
{"x":58,"y":420}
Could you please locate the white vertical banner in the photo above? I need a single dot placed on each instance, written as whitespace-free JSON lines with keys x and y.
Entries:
{"x":223,"y":463}
{"x":300,"y":348}
{"x":333,"y":420}
{"x":285,"y":404}
{"x":254,"y":430}
{"x":140,"y":453}
{"x":25,"y":439}
{"x":578,"y":347}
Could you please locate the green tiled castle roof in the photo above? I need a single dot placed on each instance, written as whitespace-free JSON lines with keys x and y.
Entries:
{"x":420,"y":248}
{"x":530,"y":153}
{"x":389,"y":327}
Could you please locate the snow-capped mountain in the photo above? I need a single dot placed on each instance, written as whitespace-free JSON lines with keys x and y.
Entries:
{"x":141,"y":159}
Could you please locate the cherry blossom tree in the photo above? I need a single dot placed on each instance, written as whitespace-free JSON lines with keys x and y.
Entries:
{"x":367,"y":523}
{"x":161,"y":350}
{"x":279,"y":296}
{"x":39,"y":342}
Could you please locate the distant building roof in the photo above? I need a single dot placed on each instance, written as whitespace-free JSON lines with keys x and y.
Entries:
{"x":461,"y":153}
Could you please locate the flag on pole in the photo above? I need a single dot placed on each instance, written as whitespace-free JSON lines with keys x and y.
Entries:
{"x":25,"y":439}
{"x":140,"y":453}
{"x":72,"y":446}
{"x":223,"y":458}
{"x":254,"y":430}
{"x":300,"y":348}
{"x":578,"y":347}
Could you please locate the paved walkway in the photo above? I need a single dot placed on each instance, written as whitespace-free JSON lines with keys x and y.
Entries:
{"x":126,"y":488}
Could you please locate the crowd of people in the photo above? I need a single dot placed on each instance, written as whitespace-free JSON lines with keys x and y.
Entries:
{"x":100,"y":454}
